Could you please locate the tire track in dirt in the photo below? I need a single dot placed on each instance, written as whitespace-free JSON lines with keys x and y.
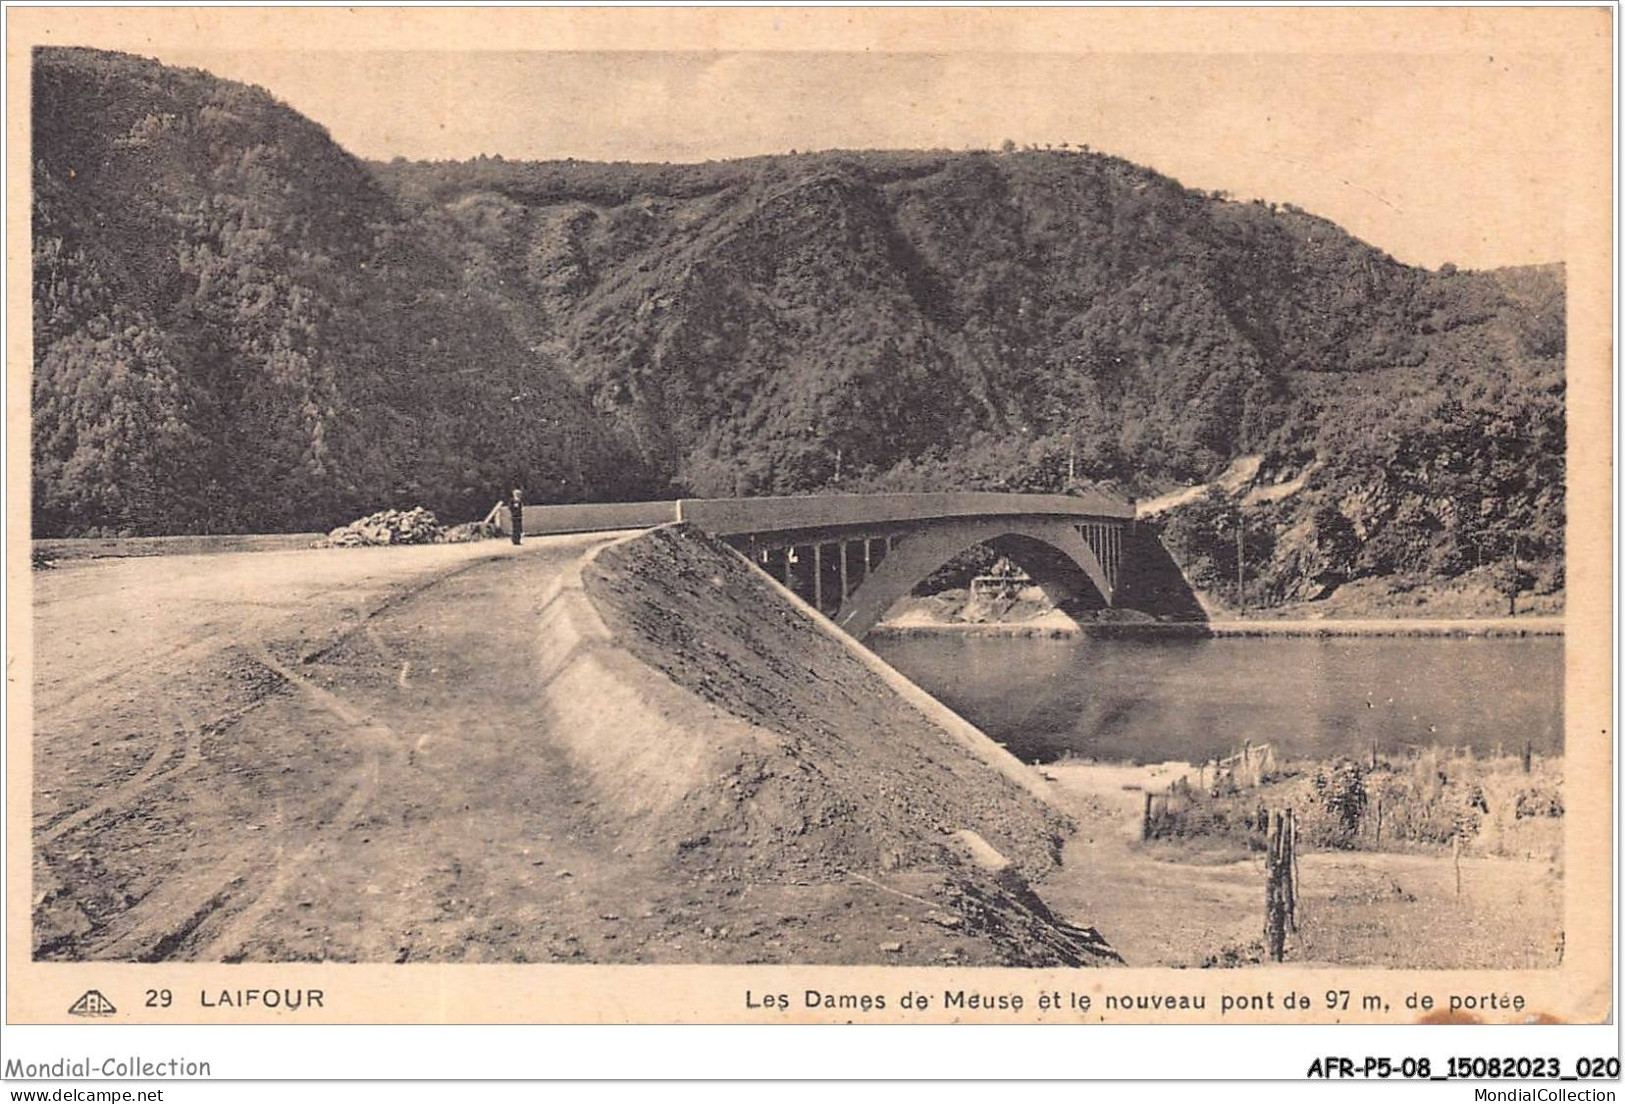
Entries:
{"x":158,"y":925}
{"x":58,"y":696}
{"x":361,"y":620}
{"x":162,"y":923}
{"x":151,"y":770}
{"x":62,"y":696}
{"x":145,"y":931}
{"x":175,"y":919}
{"x":380,"y":740}
{"x":165,"y":918}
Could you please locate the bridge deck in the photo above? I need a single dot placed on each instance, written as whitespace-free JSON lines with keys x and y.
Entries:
{"x":735,"y":516}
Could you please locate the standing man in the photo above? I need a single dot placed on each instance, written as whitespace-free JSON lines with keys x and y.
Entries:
{"x":516,"y":514}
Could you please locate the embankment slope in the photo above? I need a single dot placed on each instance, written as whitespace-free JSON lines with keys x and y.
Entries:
{"x":750,"y":742}
{"x":484,"y":753}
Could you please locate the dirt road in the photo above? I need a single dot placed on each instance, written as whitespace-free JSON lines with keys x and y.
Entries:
{"x":189,"y":765}
{"x":338,"y":755}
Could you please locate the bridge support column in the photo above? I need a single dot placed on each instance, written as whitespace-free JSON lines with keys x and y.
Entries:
{"x":1071,"y":557}
{"x":1106,"y":541}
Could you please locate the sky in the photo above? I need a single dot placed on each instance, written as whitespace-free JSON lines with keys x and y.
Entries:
{"x":1435,"y":158}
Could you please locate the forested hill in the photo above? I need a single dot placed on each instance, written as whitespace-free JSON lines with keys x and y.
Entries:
{"x":996,"y":320}
{"x":291,"y":319}
{"x":235,"y":329}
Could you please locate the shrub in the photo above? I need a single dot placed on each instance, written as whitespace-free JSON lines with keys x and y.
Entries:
{"x":1340,"y":791}
{"x":1538,"y":802}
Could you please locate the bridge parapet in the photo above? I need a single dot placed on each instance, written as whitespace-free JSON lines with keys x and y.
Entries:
{"x":589,"y":517}
{"x":726,"y":517}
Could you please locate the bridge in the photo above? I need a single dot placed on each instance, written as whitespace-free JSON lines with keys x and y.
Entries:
{"x":853,"y":556}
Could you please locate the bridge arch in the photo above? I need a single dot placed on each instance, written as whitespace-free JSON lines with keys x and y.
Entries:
{"x":1052,"y":551}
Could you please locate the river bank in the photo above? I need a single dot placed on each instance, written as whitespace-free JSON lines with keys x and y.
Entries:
{"x":1196,"y":901}
{"x":1056,"y":624}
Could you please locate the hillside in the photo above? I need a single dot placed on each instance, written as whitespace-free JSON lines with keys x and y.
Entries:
{"x":240,"y":326}
{"x":996,"y":320}
{"x":235,"y":330}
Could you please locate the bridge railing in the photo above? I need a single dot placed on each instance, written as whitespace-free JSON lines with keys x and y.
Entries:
{"x":733,"y":516}
{"x":590,"y":517}
{"x":730,"y":516}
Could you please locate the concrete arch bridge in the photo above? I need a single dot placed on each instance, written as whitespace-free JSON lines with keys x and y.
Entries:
{"x":853,"y":556}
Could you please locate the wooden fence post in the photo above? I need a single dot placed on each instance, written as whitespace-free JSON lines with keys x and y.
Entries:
{"x":1291,"y":864}
{"x":1455,"y":857}
{"x":1145,"y":824}
{"x":1275,"y":889}
{"x":1528,"y":754}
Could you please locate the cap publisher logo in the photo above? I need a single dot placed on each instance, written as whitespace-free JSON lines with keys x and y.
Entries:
{"x":92,"y":1004}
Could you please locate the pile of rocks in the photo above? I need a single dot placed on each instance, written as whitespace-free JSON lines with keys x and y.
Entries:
{"x":414,"y":526}
{"x":471,"y":531}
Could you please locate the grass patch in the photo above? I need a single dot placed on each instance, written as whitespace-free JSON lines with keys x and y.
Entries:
{"x":1424,"y":801}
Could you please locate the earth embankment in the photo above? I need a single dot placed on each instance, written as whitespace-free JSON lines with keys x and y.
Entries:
{"x":746,"y":739}
{"x":579,"y":751}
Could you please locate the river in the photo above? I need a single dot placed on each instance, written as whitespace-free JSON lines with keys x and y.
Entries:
{"x":1156,"y":698}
